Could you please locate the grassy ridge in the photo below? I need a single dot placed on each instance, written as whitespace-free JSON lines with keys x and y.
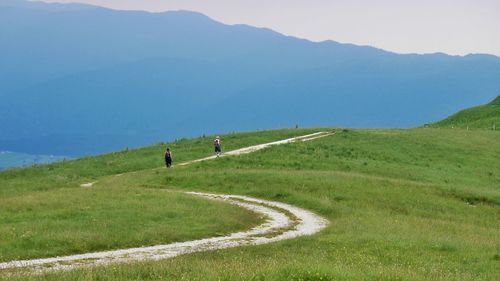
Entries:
{"x":89,"y":169}
{"x":419,"y":204}
{"x":479,"y":117}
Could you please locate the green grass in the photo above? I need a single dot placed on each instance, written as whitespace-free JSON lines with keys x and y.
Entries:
{"x":480,"y":117}
{"x":74,"y":173}
{"x":71,"y":221}
{"x":421,"y":204}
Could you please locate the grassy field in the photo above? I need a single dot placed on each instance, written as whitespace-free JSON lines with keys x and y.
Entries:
{"x":71,"y":221}
{"x":421,"y":204}
{"x":486,"y":117}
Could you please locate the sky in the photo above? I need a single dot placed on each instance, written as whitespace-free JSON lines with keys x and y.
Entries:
{"x":456,"y":27}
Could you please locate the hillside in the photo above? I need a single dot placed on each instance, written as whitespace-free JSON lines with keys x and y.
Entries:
{"x":479,"y":117}
{"x":418,"y":204}
{"x":81,"y":80}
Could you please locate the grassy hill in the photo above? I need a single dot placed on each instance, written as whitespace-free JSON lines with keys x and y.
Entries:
{"x":420,"y":204}
{"x":479,"y":117}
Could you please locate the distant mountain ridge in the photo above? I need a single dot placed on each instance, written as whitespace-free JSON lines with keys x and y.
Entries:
{"x":78,"y":79}
{"x":11,"y":159}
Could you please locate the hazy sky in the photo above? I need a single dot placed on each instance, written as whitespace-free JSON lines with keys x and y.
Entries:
{"x":404,"y":26}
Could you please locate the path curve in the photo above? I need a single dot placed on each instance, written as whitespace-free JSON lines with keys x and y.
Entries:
{"x":284,"y":221}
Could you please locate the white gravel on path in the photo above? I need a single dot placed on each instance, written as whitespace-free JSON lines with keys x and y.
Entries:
{"x":283,"y":222}
{"x":258,"y":147}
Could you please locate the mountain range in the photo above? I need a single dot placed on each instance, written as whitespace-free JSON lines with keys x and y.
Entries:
{"x":79,"y":79}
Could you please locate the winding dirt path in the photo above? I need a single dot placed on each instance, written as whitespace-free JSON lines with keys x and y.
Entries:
{"x":284,"y":221}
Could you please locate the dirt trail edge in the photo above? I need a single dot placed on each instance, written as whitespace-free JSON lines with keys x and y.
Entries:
{"x":284,"y":221}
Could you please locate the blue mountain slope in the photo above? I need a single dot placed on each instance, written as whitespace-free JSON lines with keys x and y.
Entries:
{"x":144,"y":101}
{"x":392,"y":94}
{"x":11,"y":159}
{"x":78,"y":79}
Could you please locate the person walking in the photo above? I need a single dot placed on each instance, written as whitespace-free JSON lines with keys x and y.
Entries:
{"x":217,"y":146}
{"x":168,"y":158}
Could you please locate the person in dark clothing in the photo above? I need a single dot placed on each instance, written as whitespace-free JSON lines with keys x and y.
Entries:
{"x":168,"y":158}
{"x":217,"y":146}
